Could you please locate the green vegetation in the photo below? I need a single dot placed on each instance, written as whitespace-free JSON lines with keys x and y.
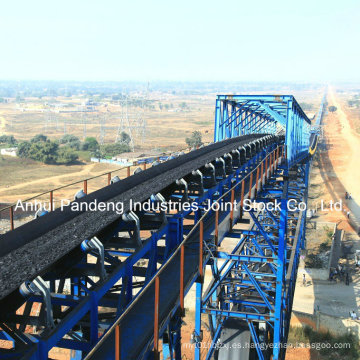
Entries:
{"x":40,"y":148}
{"x":324,"y":343}
{"x":195,"y":139}
{"x":66,"y":150}
{"x":183,"y":105}
{"x":66,"y":156}
{"x":44,"y":151}
{"x":313,"y":261}
{"x":125,"y":138}
{"x":8,"y":140}
{"x":170,"y":106}
{"x":355,"y":101}
{"x":85,"y":155}
{"x":90,"y":144}
{"x":38,"y":137}
{"x":329,"y":232}
{"x":332,"y":108}
{"x":326,"y":245}
{"x":111,"y":150}
{"x":72,"y":141}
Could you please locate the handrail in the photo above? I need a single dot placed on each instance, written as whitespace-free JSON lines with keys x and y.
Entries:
{"x":84,"y":181}
{"x":65,"y":186}
{"x":51,"y":192}
{"x":175,"y":253}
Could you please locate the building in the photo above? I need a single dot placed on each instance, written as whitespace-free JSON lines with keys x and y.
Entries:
{"x":9,"y":152}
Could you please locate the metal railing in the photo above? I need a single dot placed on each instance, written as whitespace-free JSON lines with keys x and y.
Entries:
{"x":266,"y":167}
{"x":50,"y":193}
{"x":85,"y":182}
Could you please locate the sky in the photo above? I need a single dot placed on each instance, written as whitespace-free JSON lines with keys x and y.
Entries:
{"x":147,"y":40}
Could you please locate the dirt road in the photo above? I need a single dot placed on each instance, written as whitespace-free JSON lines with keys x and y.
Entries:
{"x":56,"y":179}
{"x":345,"y":150}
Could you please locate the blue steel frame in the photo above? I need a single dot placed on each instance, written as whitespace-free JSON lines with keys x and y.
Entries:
{"x":257,"y":281}
{"x":89,"y":291}
{"x":247,"y":114}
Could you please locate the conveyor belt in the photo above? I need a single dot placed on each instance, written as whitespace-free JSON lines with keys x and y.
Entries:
{"x":31,"y":249}
{"x":138,"y":325}
{"x":235,"y":340}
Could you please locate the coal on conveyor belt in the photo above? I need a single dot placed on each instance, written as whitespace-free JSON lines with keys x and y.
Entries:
{"x":32,"y":248}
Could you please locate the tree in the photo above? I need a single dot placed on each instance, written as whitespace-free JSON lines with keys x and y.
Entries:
{"x":47,"y":152}
{"x":115,"y":149}
{"x":125,"y":138}
{"x":7,"y":139}
{"x":38,"y":137}
{"x":332,"y":108}
{"x":90,"y":144}
{"x":183,"y":105}
{"x":195,"y":139}
{"x":66,"y":156}
{"x":97,"y":153}
{"x":71,"y":140}
{"x":44,"y":151}
{"x":68,"y":138}
{"x":23,"y":149}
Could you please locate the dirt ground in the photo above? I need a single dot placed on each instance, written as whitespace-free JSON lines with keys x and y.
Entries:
{"x":166,"y":129}
{"x":338,"y":166}
{"x":335,"y":171}
{"x":23,"y":178}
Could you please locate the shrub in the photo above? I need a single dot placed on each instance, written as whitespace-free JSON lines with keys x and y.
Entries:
{"x":313,"y":261}
{"x":47,"y":152}
{"x":115,"y":149}
{"x":195,"y":139}
{"x":38,"y":137}
{"x":66,"y":156}
{"x":90,"y":144}
{"x":72,"y":141}
{"x":7,"y":139}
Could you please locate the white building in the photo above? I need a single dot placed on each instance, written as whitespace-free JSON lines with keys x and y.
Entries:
{"x":9,"y":152}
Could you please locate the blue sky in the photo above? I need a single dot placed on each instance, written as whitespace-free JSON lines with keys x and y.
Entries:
{"x":180,"y":40}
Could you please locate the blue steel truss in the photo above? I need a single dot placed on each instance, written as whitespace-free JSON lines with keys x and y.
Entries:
{"x":255,"y":284}
{"x":247,"y":114}
{"x":94,"y":285}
